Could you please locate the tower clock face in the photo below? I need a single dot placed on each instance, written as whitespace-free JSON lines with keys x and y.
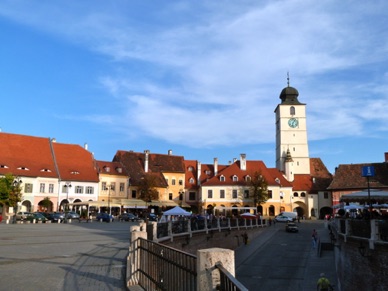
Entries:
{"x":293,"y":122}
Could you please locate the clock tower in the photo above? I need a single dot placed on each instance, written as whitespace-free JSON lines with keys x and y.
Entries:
{"x":292,"y":154}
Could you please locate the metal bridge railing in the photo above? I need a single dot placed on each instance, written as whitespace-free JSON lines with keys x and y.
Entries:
{"x":163,"y":268}
{"x":227,"y":281}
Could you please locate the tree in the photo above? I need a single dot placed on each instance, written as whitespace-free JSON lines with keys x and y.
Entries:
{"x":10,"y":191}
{"x":46,"y":203}
{"x":147,"y":189}
{"x":258,"y":188}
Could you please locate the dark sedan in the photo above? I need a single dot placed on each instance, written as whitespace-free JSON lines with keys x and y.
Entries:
{"x":56,"y":217}
{"x":128,"y":217}
{"x":106,"y":217}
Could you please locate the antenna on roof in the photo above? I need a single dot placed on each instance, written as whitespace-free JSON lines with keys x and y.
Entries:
{"x":288,"y":79}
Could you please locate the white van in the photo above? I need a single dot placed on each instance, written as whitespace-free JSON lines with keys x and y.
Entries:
{"x":292,"y":215}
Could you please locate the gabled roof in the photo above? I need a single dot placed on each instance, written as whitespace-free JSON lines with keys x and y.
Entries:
{"x":272,"y":176}
{"x":111,"y":168}
{"x":28,"y":156}
{"x":31,"y":156}
{"x":350,"y":177}
{"x":158,"y":164}
{"x":318,"y":180}
{"x":75,"y":163}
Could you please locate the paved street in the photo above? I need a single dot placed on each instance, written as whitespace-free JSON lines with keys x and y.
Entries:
{"x":77,"y":256}
{"x":277,"y":260}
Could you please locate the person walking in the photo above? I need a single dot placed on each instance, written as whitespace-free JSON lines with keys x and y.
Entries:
{"x":323,"y":283}
{"x":314,"y":238}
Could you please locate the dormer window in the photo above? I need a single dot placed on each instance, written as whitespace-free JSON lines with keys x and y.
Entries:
{"x":208,"y":172}
{"x":74,"y":172}
{"x":119,"y":170}
{"x":107,"y":169}
{"x":235,"y":178}
{"x":191,"y":181}
{"x":222,"y":178}
{"x":23,"y":168}
{"x":190,"y":169}
{"x":3,"y":167}
{"x":46,"y":170}
{"x":248,"y":178}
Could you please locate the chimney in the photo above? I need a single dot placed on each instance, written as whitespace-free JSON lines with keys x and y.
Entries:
{"x":243,"y":162}
{"x":215,"y":166}
{"x":146,"y":153}
{"x":54,"y":139}
{"x":86,"y":146}
{"x":169,"y":152}
{"x":386,"y":157}
{"x":199,"y":169}
{"x":234,"y":160}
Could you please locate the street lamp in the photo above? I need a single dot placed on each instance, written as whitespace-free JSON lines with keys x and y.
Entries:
{"x":66,"y":206}
{"x":109,"y":187}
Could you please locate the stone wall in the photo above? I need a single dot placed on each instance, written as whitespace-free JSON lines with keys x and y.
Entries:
{"x":361,"y":272}
{"x":213,"y":239}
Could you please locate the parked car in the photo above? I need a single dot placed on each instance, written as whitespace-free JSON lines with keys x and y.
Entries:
{"x":152,"y":217}
{"x":56,"y":216}
{"x":128,"y":217}
{"x":72,"y":215}
{"x":283,"y":218}
{"x":106,"y":217}
{"x":291,"y":227}
{"x":38,"y":217}
{"x":22,"y":215}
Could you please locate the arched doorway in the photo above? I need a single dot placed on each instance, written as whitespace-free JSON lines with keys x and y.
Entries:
{"x":45,"y":206}
{"x":260,"y":209}
{"x":26,"y":206}
{"x":325,"y":211}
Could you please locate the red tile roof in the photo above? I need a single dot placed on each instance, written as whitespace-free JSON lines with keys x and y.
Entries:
{"x":111,"y":168}
{"x":134,"y":163}
{"x":26,"y":156}
{"x":350,"y":177}
{"x":32,"y":156}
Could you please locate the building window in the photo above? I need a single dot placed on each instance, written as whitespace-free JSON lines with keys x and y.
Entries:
{"x":180,"y":182}
{"x":302,"y":194}
{"x":222,"y":178}
{"x":113,"y":186}
{"x":325,"y":195}
{"x":89,"y":190}
{"x":222,"y":194}
{"x":248,"y":178}
{"x":51,"y":188}
{"x":292,"y":110}
{"x":103,"y":186}
{"x":270,"y":194}
{"x":133,"y":195}
{"x":192,"y":196}
{"x":209,"y":193}
{"x":235,"y":178}
{"x":122,"y":185}
{"x":234,"y":194}
{"x":191,"y":181}
{"x":79,"y":189}
{"x":27,"y":188}
{"x":42,"y":186}
{"x":173,"y":182}
{"x":296,"y":194}
{"x":169,"y":196}
{"x":180,"y":196}
{"x":246,"y":193}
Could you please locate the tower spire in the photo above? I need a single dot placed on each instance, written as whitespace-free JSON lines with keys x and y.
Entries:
{"x":288,"y":79}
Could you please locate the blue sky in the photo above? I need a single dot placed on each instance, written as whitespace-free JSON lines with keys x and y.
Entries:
{"x":200,"y":78}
